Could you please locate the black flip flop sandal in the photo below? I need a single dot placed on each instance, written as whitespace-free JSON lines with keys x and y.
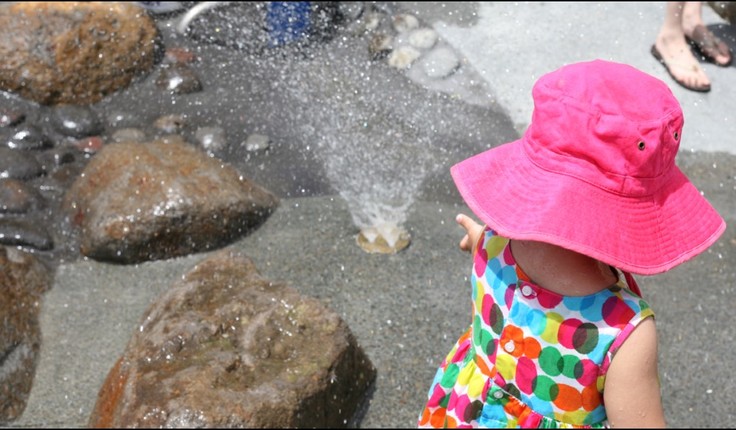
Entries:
{"x":658,"y":56}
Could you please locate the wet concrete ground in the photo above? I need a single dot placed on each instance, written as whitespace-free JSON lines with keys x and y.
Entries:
{"x":405,"y":309}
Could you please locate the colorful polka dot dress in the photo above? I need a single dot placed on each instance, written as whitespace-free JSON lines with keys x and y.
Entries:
{"x":530,"y":358}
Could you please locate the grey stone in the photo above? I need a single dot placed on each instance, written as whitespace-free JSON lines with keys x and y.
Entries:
{"x":76,"y":121}
{"x":18,"y":197}
{"x":256,"y":142}
{"x":24,"y":232}
{"x":440,"y":62}
{"x":10,"y":117}
{"x":211,"y":139}
{"x":26,"y":136}
{"x":18,"y":164}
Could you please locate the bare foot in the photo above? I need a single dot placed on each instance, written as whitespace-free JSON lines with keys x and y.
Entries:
{"x":681,"y":63}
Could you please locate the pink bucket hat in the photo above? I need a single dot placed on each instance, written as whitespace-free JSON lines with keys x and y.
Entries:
{"x":595,"y":172}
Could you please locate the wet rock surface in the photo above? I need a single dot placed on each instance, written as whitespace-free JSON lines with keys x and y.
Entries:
{"x":225,"y":347}
{"x":73,"y":52}
{"x":23,"y":280}
{"x":137,"y":202}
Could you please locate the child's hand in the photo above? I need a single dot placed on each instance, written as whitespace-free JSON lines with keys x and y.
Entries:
{"x":473,"y":230}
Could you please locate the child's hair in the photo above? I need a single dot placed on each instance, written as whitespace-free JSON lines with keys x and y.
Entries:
{"x":595,"y":172}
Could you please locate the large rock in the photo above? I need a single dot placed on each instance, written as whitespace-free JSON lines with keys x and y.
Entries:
{"x":138,"y":202}
{"x":225,"y":347}
{"x":23,"y":280}
{"x":73,"y":52}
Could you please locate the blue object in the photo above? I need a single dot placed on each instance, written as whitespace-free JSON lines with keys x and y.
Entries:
{"x":287,"y":21}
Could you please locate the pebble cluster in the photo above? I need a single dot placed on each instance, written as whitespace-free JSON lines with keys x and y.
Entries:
{"x":43,"y":149}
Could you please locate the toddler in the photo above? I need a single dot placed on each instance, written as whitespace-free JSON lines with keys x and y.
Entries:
{"x":560,"y":335}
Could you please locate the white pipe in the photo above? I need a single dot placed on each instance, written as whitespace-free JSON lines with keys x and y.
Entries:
{"x":192,"y":13}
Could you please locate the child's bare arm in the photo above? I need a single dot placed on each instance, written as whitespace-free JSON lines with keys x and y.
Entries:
{"x":632,"y":393}
{"x":473,"y":230}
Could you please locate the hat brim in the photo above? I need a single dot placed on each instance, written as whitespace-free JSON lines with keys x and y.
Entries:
{"x":646,"y":236}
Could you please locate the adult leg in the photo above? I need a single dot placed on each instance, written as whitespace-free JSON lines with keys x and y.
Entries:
{"x":673,"y":50}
